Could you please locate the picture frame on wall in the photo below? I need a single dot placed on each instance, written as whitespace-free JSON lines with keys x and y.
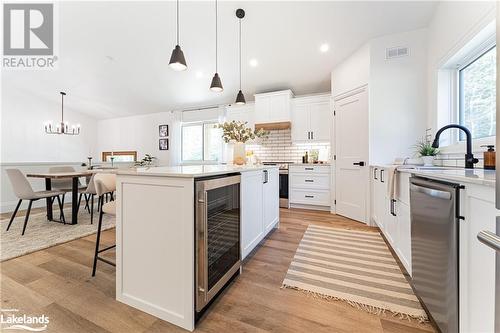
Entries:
{"x":163,"y":131}
{"x":163,"y":144}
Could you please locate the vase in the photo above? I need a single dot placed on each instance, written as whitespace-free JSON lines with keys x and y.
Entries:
{"x":239,"y":154}
{"x":428,"y":160}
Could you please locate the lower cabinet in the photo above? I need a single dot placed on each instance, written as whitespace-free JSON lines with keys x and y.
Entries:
{"x":310,"y":186}
{"x":259,"y":206}
{"x":393,"y":217}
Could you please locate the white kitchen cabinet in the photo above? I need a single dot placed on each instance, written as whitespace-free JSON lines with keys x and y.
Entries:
{"x":476,"y":260}
{"x":273,"y":107}
{"x":394,"y":222}
{"x":259,"y":207}
{"x":243,"y":113}
{"x":310,"y":186}
{"x":270,"y":189}
{"x":311,"y":119}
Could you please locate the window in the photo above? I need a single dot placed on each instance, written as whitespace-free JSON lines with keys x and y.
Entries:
{"x":119,"y":156}
{"x":201,"y":142}
{"x":477,"y":95}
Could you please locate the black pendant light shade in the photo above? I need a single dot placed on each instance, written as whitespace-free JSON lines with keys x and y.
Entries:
{"x":240,"y":98}
{"x":177,"y":60}
{"x":216,"y":83}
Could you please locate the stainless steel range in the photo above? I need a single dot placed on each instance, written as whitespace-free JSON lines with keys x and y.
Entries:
{"x":283,"y":170}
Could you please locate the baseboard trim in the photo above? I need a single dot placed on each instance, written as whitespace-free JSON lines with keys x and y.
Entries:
{"x":312,"y":207}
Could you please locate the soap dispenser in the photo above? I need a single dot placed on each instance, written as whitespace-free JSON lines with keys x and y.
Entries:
{"x":489,"y":157}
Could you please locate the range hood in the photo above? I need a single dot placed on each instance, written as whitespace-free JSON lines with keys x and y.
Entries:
{"x":274,"y":126}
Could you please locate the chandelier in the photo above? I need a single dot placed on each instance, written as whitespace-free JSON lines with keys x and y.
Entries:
{"x":63,"y":127}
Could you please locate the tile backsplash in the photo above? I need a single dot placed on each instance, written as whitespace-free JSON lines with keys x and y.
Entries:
{"x":457,"y":160}
{"x":278,"y":146}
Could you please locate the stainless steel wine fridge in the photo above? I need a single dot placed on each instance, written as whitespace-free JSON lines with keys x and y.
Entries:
{"x":217,"y":236}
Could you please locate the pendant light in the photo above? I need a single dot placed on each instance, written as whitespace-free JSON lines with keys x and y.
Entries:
{"x":240,"y":98}
{"x":177,"y":60}
{"x":63,"y":127}
{"x":216,"y":85}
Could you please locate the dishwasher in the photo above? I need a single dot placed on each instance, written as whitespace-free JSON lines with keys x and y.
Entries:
{"x":435,"y":216}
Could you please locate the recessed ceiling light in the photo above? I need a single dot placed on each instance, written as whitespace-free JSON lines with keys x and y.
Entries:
{"x":199,"y":74}
{"x":324,"y":47}
{"x":254,"y":62}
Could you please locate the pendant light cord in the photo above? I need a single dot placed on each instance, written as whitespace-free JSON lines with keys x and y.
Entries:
{"x":216,"y":31}
{"x":240,"y":54}
{"x":177,"y":22}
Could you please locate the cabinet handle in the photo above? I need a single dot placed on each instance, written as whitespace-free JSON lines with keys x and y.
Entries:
{"x":382,"y":175}
{"x":309,"y":135}
{"x":266,"y":177}
{"x":309,"y":181}
{"x":393,"y":211}
{"x":309,"y":169}
{"x":375,"y":173}
{"x":309,"y":196}
{"x":312,"y":135}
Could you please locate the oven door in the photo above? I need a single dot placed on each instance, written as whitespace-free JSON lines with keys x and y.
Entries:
{"x":217,"y":235}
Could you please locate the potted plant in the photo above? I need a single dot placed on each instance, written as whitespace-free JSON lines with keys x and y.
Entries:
{"x":426,"y":151}
{"x":238,"y":133}
{"x":146,"y":161}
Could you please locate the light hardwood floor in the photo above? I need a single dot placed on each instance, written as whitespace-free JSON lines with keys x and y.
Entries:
{"x":57,"y":282}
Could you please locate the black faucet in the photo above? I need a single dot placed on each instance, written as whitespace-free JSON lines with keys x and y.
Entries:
{"x":469,"y":157}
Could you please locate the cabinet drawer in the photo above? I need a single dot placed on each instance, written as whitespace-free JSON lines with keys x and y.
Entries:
{"x":309,"y":169}
{"x":310,"y":197}
{"x":311,"y":181}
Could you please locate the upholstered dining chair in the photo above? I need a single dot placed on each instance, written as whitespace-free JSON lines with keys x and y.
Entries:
{"x":66,"y":185}
{"x":23,"y":190}
{"x":105,"y":183}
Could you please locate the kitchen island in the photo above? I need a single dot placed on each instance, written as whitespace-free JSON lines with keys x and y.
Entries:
{"x":156,"y":251}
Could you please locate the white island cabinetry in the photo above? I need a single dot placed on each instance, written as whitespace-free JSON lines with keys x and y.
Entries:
{"x":155,"y":232}
{"x":259,"y":207}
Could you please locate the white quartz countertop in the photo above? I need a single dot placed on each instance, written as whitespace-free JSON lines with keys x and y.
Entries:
{"x":191,"y":171}
{"x":456,"y":175}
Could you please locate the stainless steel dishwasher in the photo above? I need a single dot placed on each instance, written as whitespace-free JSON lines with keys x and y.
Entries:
{"x":434,"y":245}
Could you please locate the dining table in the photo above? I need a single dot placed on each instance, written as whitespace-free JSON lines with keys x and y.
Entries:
{"x":48,"y":176}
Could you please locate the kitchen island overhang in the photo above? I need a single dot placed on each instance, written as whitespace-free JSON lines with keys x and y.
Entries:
{"x":155,"y":237}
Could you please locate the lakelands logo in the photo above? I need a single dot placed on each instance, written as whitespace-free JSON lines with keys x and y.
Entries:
{"x":29,"y":36}
{"x":10,"y":319}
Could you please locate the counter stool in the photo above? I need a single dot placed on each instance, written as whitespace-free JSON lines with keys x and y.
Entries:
{"x":104,"y":184}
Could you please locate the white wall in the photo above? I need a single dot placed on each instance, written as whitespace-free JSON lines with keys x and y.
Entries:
{"x":352,"y":72}
{"x":452,"y":26}
{"x":138,"y":133}
{"x":23,"y":138}
{"x":398,"y":96}
{"x":397,"y":92}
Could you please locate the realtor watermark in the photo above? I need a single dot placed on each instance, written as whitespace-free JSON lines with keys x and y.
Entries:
{"x":29,"y":36}
{"x":11,"y":319}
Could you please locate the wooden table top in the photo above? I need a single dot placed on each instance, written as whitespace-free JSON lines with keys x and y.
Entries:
{"x":60,"y":175}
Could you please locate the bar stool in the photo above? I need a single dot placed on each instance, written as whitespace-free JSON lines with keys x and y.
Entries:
{"x":104,"y":184}
{"x":23,"y":190}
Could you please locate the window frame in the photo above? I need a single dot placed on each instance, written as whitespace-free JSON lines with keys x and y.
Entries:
{"x":203,"y":160}
{"x":456,"y":145}
{"x":459,"y":86}
{"x":106,"y":154}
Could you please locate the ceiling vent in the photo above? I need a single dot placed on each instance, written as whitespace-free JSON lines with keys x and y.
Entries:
{"x":396,"y":52}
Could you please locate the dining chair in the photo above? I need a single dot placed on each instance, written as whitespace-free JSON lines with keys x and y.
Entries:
{"x":65,"y":185}
{"x":105,"y":183}
{"x":89,"y":193}
{"x":23,"y":191}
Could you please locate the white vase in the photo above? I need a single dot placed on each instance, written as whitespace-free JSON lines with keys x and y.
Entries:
{"x":428,"y":160}
{"x":239,"y":154}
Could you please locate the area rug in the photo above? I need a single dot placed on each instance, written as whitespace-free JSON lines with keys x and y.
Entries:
{"x":41,"y":234}
{"x":352,"y":266}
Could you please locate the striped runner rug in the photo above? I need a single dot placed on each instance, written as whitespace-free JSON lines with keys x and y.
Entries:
{"x":353,"y":266}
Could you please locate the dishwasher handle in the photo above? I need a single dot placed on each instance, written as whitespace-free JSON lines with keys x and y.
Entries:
{"x":431,"y":192}
{"x":489,"y":239}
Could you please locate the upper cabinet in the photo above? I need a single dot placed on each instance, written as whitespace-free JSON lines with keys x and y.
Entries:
{"x":311,"y":118}
{"x":243,"y":113}
{"x":273,"y":107}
